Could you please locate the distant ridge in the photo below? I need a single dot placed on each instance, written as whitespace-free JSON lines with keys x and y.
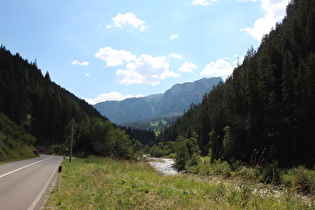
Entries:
{"x":174,"y":101}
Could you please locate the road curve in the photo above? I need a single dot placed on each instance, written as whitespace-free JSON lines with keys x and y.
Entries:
{"x":24,"y":184}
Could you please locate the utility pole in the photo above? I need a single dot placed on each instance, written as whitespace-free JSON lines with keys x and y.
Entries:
{"x":71,"y":142}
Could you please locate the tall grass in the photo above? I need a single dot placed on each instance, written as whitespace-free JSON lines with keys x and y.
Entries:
{"x":100,"y":183}
{"x":300,"y":179}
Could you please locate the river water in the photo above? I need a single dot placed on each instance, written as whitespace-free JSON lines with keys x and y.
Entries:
{"x":163,"y":165}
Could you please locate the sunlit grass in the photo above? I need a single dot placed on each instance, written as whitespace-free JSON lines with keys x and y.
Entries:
{"x":100,"y":183}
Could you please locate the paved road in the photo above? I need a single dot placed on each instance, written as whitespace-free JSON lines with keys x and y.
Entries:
{"x":24,"y":184}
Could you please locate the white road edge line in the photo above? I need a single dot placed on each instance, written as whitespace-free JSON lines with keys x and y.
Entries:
{"x":11,"y":172}
{"x":40,"y":195}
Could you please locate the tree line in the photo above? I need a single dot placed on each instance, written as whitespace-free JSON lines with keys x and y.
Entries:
{"x":47,"y":111}
{"x":265,"y":109}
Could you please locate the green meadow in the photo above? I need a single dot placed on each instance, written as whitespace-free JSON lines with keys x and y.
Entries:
{"x":103,"y":183}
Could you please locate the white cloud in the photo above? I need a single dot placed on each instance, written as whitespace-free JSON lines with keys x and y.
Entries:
{"x":128,"y":19}
{"x":78,"y":63}
{"x":203,"y":2}
{"x":220,"y":68}
{"x":187,"y":67}
{"x":145,"y":70}
{"x":274,"y":12}
{"x":174,"y":55}
{"x":174,"y":36}
{"x":114,"y":57}
{"x":239,"y":60}
{"x":112,"y":96}
{"x":138,"y":70}
{"x":87,"y":74}
{"x":247,"y":0}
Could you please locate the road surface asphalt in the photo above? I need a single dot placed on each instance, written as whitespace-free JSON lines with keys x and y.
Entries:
{"x":25,"y":184}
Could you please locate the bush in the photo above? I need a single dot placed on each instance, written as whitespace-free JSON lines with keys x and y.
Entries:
{"x":221,"y":168}
{"x":204,"y":169}
{"x":270,"y":173}
{"x":83,"y":154}
{"x":300,"y":179}
{"x":248,"y":173}
{"x":58,"y":149}
{"x":182,"y":156}
{"x":159,"y":150}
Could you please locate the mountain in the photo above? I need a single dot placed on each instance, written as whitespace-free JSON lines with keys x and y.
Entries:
{"x":48,"y":112}
{"x":129,"y":109}
{"x":264,"y":112}
{"x":173,"y":102}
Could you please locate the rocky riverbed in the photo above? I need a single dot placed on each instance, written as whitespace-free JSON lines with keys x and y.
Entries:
{"x":163,"y":165}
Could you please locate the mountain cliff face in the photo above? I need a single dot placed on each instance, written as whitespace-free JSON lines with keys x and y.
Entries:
{"x":174,"y":101}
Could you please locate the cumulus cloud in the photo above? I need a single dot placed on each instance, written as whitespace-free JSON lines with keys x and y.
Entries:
{"x":219,"y":68}
{"x":203,"y":2}
{"x":187,"y":67}
{"x":247,"y":0}
{"x":145,"y":70}
{"x":128,"y":19}
{"x":87,"y":74}
{"x":174,"y":36}
{"x":78,"y":63}
{"x":112,"y":96}
{"x":175,"y":55}
{"x":274,"y":12}
{"x":114,"y":57}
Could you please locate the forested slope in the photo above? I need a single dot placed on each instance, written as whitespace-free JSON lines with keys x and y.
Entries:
{"x":26,"y":96}
{"x":15,"y":142}
{"x":266,"y":107}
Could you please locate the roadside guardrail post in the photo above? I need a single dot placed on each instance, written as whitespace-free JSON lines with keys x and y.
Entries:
{"x":58,"y":178}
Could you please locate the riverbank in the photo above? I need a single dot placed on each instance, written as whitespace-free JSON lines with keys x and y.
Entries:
{"x":166,"y":167}
{"x":102,"y":183}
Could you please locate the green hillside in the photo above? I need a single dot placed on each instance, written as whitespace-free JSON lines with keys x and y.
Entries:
{"x":264,"y":112}
{"x":15,"y":143}
{"x":26,"y":95}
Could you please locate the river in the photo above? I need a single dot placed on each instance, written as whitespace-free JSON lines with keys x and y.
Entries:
{"x":163,"y":165}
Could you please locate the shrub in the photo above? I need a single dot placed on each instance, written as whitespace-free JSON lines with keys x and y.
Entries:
{"x":159,"y":150}
{"x":204,"y":169}
{"x":248,"y":173}
{"x":182,"y":156}
{"x":58,"y":149}
{"x":194,"y":160}
{"x":270,"y":173}
{"x":300,"y":179}
{"x":221,"y":168}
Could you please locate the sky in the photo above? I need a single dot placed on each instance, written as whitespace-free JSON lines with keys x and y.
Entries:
{"x":115,"y":49}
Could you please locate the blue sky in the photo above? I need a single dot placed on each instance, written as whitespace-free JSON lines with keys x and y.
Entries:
{"x":112,"y":49}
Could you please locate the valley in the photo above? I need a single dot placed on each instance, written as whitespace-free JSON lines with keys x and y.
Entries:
{"x":243,"y":143}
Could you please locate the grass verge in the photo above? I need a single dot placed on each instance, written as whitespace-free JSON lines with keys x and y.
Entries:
{"x":102,"y":183}
{"x":10,"y":155}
